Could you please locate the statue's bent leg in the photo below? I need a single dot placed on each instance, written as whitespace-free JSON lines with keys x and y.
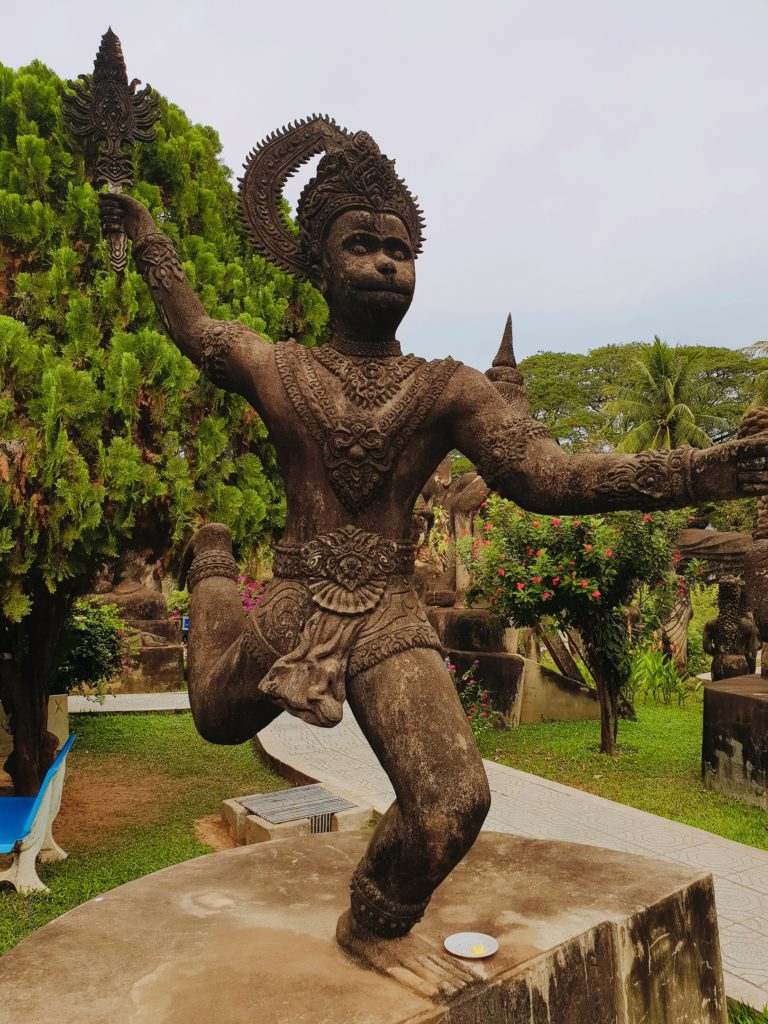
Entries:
{"x":222,"y":670}
{"x":408,"y":708}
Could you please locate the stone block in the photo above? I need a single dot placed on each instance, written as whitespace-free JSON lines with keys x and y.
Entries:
{"x":234,"y":815}
{"x":259,"y":830}
{"x":734,"y":753}
{"x":467,"y":629}
{"x":169,"y":629}
{"x":586,"y":936}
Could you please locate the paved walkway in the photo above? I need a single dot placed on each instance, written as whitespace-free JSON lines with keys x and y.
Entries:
{"x":118,"y":703}
{"x":531,"y":806}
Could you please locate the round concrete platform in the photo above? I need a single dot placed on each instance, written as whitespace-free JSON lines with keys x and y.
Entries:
{"x":248,"y":936}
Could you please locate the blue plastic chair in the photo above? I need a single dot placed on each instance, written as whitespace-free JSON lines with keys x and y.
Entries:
{"x":26,"y":828}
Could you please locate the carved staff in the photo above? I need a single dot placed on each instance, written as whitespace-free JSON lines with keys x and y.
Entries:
{"x":106,"y":109}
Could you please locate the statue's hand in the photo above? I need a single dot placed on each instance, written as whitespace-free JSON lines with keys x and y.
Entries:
{"x":124,"y":213}
{"x":733,"y":469}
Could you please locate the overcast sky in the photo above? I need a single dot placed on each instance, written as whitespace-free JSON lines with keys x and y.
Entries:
{"x":599,"y":168}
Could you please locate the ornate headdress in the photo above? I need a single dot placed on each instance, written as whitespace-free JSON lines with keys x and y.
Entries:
{"x":352,"y":174}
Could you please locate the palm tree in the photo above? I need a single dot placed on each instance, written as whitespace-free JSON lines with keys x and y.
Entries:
{"x":668,"y":405}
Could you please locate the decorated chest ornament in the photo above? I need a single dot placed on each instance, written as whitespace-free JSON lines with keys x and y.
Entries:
{"x":353,"y":174}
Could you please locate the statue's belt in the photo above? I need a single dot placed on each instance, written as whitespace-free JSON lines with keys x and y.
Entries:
{"x":346,"y":572}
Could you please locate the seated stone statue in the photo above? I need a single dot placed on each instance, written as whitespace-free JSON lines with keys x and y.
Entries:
{"x":359,"y":427}
{"x":729,"y":637}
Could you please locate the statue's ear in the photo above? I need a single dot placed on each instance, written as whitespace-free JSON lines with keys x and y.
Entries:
{"x":318,"y":277}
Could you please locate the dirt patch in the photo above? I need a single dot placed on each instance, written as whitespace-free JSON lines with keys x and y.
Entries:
{"x":104,"y":797}
{"x":212,"y":831}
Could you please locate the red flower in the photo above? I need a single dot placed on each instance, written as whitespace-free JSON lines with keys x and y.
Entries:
{"x":483,"y":504}
{"x":520,"y":586}
{"x":647,"y":518}
{"x":536,"y":522}
{"x":587,"y":547}
{"x":584,"y":583}
{"x":537,"y":579}
{"x":488,"y":526}
{"x":502,"y":572}
{"x":555,"y":580}
{"x":595,"y":593}
{"x":555,"y":522}
{"x":577,"y":522}
{"x":538,"y":553}
{"x":546,"y":594}
{"x":608,"y":553}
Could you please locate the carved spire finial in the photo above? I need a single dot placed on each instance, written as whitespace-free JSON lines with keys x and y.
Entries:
{"x":506,"y":354}
{"x":505,"y":375}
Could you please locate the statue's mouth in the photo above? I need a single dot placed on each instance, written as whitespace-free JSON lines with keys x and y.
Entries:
{"x":386,"y":289}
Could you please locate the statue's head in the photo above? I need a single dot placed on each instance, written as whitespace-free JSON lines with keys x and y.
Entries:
{"x":729,"y":592}
{"x":360,"y":229}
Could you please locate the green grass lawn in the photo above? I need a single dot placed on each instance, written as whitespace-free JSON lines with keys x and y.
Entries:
{"x":195,"y":776}
{"x":657,"y":769}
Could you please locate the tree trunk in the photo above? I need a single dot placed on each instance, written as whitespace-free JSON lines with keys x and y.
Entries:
{"x":606,"y":693}
{"x":34,"y":748}
{"x":25,"y":685}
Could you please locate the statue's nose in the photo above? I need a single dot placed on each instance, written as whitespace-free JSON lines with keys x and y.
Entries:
{"x":385,"y":265}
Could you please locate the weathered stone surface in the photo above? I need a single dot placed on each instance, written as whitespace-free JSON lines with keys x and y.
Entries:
{"x":525,"y":691}
{"x":58,"y":724}
{"x":586,"y":936}
{"x":467,"y":629}
{"x":735,"y":741}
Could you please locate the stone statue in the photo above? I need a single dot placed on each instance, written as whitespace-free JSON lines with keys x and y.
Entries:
{"x":359,"y":427}
{"x":160,"y":664}
{"x":747,"y":626}
{"x":727,"y":637}
{"x":753,"y":424}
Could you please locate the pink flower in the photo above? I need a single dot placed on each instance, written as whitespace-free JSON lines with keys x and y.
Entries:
{"x":647,"y":518}
{"x":536,"y":523}
{"x":595,"y":593}
{"x":483,"y":504}
{"x":577,"y":522}
{"x":484,"y":714}
{"x":546,"y":594}
{"x":520,"y":586}
{"x":555,"y":522}
{"x":488,"y":526}
{"x":587,"y":547}
{"x":555,"y":580}
{"x":584,"y":583}
{"x":502,"y":572}
{"x":538,"y":553}
{"x":608,"y":553}
{"x":537,"y":579}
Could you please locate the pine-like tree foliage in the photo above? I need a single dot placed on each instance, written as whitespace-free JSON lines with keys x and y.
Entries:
{"x":109,"y":437}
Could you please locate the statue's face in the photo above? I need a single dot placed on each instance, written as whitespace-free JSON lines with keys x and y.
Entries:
{"x":368,"y":274}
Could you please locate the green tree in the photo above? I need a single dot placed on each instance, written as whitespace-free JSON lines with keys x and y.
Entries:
{"x":667,"y":403}
{"x":583,"y":571}
{"x":108,"y":436}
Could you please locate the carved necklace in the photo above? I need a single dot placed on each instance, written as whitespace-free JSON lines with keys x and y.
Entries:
{"x":358,"y":451}
{"x":366,"y":382}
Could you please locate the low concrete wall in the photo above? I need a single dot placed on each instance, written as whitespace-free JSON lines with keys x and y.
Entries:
{"x":524,"y":692}
{"x":734,"y":751}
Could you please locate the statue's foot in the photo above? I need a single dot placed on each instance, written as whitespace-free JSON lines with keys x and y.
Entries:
{"x":409,"y":960}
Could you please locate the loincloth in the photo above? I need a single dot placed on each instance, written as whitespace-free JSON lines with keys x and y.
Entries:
{"x":353,"y":609}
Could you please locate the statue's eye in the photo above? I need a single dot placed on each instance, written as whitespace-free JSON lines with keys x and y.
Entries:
{"x":358,"y":249}
{"x":399,"y":254}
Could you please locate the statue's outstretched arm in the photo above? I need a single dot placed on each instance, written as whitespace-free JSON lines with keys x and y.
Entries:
{"x":519,"y":458}
{"x":223,"y":349}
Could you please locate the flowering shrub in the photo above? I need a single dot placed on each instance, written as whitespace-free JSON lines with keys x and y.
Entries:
{"x":96,"y":645}
{"x":583,"y":571}
{"x":251,"y":591}
{"x":474,"y":699}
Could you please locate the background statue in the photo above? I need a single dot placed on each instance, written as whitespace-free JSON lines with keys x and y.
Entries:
{"x":359,"y":428}
{"x":728,"y":637}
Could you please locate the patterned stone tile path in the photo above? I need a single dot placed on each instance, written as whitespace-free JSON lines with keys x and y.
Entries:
{"x":530,"y":806}
{"x":176,"y":700}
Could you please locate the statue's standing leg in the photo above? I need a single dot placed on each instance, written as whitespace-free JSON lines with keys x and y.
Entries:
{"x":222,"y":671}
{"x":408,"y":709}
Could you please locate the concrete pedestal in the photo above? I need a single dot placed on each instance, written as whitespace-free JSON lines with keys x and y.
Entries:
{"x":734,"y":751}
{"x":587,"y":936}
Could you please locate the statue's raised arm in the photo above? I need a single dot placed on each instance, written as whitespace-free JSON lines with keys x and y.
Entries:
{"x":227,"y":351}
{"x":518,"y":457}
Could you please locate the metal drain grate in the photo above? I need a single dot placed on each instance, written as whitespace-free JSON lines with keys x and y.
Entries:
{"x":311,"y":802}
